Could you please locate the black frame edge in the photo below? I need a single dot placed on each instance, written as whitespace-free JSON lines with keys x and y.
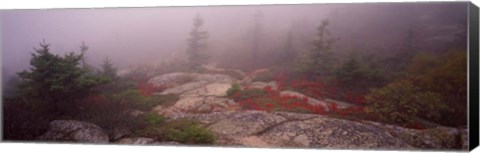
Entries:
{"x":473,"y":76}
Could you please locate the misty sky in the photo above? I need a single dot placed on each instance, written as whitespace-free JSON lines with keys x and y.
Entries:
{"x":138,"y":35}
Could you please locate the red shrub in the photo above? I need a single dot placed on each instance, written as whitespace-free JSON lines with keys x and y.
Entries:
{"x":268,"y":89}
{"x":147,"y":89}
{"x":416,"y":125}
{"x":357,"y":98}
{"x":316,"y":89}
{"x":281,"y":80}
{"x":333,"y":107}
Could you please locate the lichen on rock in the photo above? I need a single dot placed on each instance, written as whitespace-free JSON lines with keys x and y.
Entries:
{"x":76,"y":131}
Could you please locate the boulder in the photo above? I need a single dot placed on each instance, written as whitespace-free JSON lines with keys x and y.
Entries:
{"x":217,"y":83}
{"x":172,"y":79}
{"x":325,"y":132}
{"x":311,"y":100}
{"x":248,"y":79}
{"x":157,"y":108}
{"x":76,"y":131}
{"x":236,"y":73}
{"x":261,"y":85}
{"x":209,"y":118}
{"x":245,"y":123}
{"x":219,"y":78}
{"x":203,"y":94}
{"x":119,"y":132}
{"x":213,"y":89}
{"x":184,"y":88}
{"x":201,"y":104}
{"x":433,"y":138}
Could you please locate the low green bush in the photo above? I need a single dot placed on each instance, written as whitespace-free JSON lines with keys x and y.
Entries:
{"x":233,"y":90}
{"x":401,"y":101}
{"x":164,"y":100}
{"x":152,"y":118}
{"x":249,"y":94}
{"x":188,"y":132}
{"x":151,"y":125}
{"x":144,"y":103}
{"x":182,"y":130}
{"x":155,"y":132}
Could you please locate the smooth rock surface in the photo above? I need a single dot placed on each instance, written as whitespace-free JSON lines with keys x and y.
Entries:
{"x":76,"y":131}
{"x":262,"y":85}
{"x":172,"y":79}
{"x":311,"y":100}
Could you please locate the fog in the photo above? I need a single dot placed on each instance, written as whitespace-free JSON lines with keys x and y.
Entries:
{"x":132,"y":36}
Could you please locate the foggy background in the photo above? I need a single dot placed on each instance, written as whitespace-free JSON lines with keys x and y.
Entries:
{"x":131,"y":36}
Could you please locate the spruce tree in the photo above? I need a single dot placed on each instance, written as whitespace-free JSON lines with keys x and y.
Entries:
{"x":197,"y":44}
{"x":83,"y":50}
{"x":288,"y":53}
{"x":60,"y":81}
{"x":256,"y":37}
{"x":108,"y":70}
{"x":319,"y":59}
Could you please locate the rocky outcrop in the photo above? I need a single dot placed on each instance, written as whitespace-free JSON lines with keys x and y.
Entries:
{"x":251,"y":77}
{"x":215,"y":89}
{"x":119,"y":132}
{"x":262,"y":85}
{"x":245,"y":123}
{"x":439,"y":138}
{"x":172,"y":79}
{"x":203,"y":93}
{"x":209,"y":82}
{"x":283,"y":129}
{"x":201,"y":104}
{"x":184,"y":88}
{"x":76,"y":131}
{"x":203,"y":98}
{"x":310,"y":100}
{"x":324,"y":132}
{"x":340,"y":104}
{"x":236,"y":73}
{"x":325,"y":103}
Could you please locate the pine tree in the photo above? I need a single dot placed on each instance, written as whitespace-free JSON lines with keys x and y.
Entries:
{"x":108,"y":70}
{"x":256,"y":37}
{"x":356,"y":74}
{"x":288,"y":53}
{"x":408,"y":50}
{"x":400,"y":61}
{"x":83,"y":50}
{"x":197,"y":44}
{"x":319,"y":59}
{"x":57,"y":80}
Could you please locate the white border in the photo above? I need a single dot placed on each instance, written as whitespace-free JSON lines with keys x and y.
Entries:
{"x":47,"y":4}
